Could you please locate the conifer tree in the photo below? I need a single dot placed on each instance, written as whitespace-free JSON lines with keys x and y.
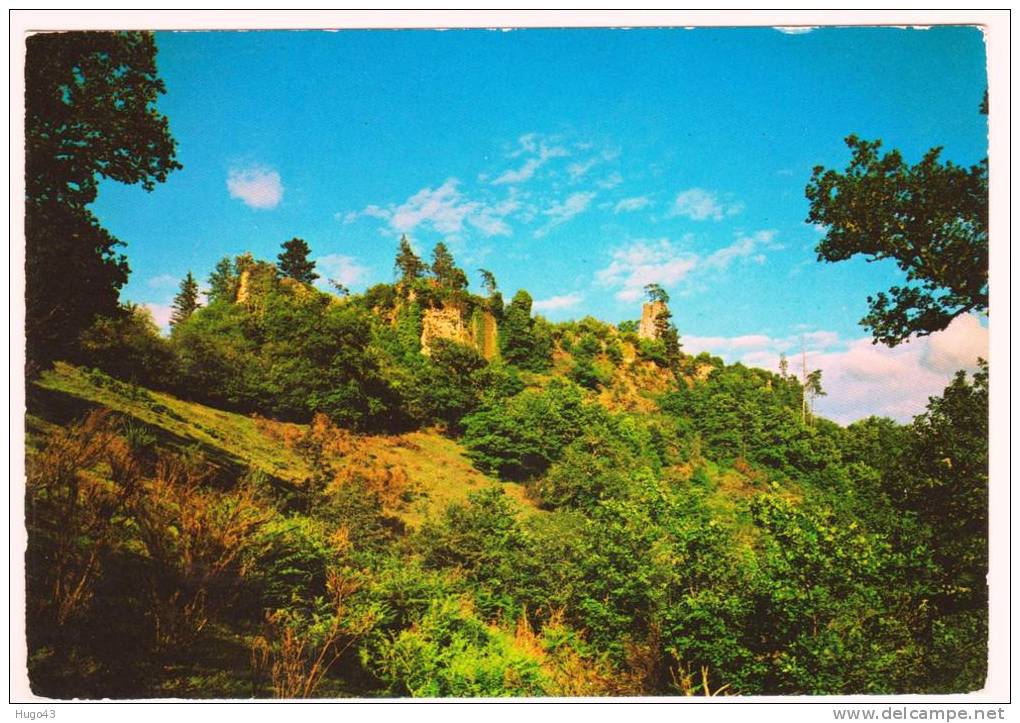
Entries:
{"x":665,"y":329}
{"x":445,"y":269}
{"x":186,"y":301}
{"x":294,"y":261}
{"x":488,"y":281}
{"x":408,"y":264}
{"x":223,"y":281}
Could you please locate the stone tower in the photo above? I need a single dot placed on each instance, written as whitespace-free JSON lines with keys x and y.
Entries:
{"x":649,"y":313}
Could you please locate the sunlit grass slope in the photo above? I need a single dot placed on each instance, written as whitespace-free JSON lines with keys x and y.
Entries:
{"x":433,"y":470}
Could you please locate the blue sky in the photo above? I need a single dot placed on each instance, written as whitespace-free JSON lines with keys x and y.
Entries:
{"x":578,"y":164}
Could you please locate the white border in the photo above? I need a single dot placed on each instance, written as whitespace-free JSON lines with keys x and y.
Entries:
{"x":996,"y":24}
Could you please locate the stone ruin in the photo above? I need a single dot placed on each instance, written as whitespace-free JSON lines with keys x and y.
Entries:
{"x":649,"y":313}
{"x":448,"y":322}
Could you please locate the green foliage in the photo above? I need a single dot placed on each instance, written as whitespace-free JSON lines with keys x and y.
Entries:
{"x":90,"y":111}
{"x":944,"y":481}
{"x":857,"y":592}
{"x":223,"y":282}
{"x":445,"y":271}
{"x":128,"y":346}
{"x":445,"y":387}
{"x":520,"y":437}
{"x":482,"y":539}
{"x":289,"y":558}
{"x":286,"y":355}
{"x":186,"y":302}
{"x":450,"y":652}
{"x":408,"y":265}
{"x":921,"y":216}
{"x":753,"y":414}
{"x":654,"y":292}
{"x":584,"y":371}
{"x":523,"y":341}
{"x":294,"y":263}
{"x":488,"y":282}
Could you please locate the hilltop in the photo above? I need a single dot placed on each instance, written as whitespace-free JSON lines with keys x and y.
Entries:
{"x":419,"y":491}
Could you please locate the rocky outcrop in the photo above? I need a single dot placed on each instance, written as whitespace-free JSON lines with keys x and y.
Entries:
{"x":448,"y":322}
{"x":649,"y":313}
{"x":486,"y":334}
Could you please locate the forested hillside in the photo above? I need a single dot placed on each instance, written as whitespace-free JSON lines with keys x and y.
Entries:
{"x":287,"y":497}
{"x":418,"y":490}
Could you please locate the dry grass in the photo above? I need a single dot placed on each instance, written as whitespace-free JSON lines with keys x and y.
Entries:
{"x":416,"y":475}
{"x":236,"y":436}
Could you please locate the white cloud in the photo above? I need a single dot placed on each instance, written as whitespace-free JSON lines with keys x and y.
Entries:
{"x":554,"y":303}
{"x":645,"y":262}
{"x":256,"y":186}
{"x":490,"y":219}
{"x":339,"y":267}
{"x":370,"y":211}
{"x":661,"y":262}
{"x":445,"y":209}
{"x":745,"y":247}
{"x":635,"y":203}
{"x":862,"y":378}
{"x":540,"y":153}
{"x":698,"y":204}
{"x":561,"y":212}
{"x":613,"y":180}
{"x":958,"y":346}
{"x":163,"y":281}
{"x":577,"y":170}
{"x":160,"y":314}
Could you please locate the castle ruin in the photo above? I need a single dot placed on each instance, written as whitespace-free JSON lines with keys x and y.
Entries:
{"x":649,"y":313}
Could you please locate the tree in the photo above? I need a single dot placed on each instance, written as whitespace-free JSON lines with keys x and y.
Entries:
{"x":294,"y":261}
{"x":223,"y":281}
{"x":445,"y":270}
{"x":813,"y":388}
{"x":186,"y":301}
{"x":665,"y":329}
{"x":90,"y":111}
{"x":524,"y":341}
{"x":408,"y":264}
{"x":488,"y":281}
{"x":656,"y":294}
{"x":931,"y":218}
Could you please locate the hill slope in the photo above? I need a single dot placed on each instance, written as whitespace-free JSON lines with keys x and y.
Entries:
{"x":420,"y":472}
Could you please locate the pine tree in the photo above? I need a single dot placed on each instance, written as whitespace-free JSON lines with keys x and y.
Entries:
{"x":294,"y":261}
{"x":665,"y":329}
{"x":488,"y":281}
{"x":666,"y":332}
{"x":448,"y":276}
{"x":408,"y":264}
{"x":223,"y":281}
{"x":186,"y":301}
{"x":656,"y":293}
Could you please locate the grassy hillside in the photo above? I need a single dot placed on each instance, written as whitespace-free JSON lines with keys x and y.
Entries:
{"x":423,"y":471}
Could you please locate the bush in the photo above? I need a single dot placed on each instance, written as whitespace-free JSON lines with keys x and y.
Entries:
{"x":129,"y":347}
{"x":522,"y":436}
{"x":450,"y":652}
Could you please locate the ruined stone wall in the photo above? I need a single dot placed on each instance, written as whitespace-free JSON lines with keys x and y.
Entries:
{"x":649,"y":312}
{"x":485,"y":333}
{"x":448,"y":322}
